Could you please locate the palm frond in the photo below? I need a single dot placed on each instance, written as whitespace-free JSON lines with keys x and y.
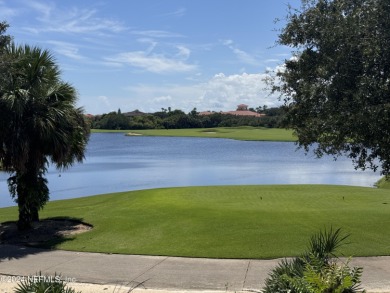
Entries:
{"x":325,"y":243}
{"x":39,"y":123}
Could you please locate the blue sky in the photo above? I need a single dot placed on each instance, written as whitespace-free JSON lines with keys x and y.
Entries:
{"x":150,"y":54}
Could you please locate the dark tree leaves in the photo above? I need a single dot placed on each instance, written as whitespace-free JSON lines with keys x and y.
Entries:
{"x":337,"y":84}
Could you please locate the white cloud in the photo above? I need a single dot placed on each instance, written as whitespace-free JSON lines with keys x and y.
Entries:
{"x":67,"y":49}
{"x":6,"y":12}
{"x":105,"y":100}
{"x":227,"y":42}
{"x":44,"y":9}
{"x":155,"y":63}
{"x":151,"y":42}
{"x":112,"y":64}
{"x":75,"y":20}
{"x":220,"y":93}
{"x":271,"y":60}
{"x":84,"y":21}
{"x":157,"y":34}
{"x":162,"y":99}
{"x":245,"y":57}
{"x":177,"y":13}
{"x":98,"y":105}
{"x":184,"y":52}
{"x":226,"y":92}
{"x":241,"y":55}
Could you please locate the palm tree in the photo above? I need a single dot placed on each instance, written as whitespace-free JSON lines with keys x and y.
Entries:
{"x":39,"y":124}
{"x":317,"y":270}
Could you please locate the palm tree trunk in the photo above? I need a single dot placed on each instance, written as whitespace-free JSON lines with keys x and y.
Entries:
{"x":34,"y":214}
{"x":32,"y":195}
{"x":25,"y":217}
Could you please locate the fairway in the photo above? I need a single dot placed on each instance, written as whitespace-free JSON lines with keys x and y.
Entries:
{"x":239,"y":133}
{"x":226,"y":221}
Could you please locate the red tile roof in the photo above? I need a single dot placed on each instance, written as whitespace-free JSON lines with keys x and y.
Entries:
{"x":244,"y":113}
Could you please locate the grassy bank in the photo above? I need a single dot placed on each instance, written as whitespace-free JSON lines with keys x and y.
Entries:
{"x":383,"y":183}
{"x":239,"y":133}
{"x":226,"y":221}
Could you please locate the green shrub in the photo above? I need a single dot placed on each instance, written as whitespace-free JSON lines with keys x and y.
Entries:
{"x":318,"y":270}
{"x":43,"y":284}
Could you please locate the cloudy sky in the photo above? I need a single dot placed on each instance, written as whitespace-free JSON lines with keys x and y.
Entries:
{"x":153,"y":54}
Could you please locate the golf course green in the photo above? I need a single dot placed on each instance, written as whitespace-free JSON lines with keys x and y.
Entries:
{"x":263,"y":221}
{"x":239,"y":133}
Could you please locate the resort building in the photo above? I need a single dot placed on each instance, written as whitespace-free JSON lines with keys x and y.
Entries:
{"x":242,"y":110}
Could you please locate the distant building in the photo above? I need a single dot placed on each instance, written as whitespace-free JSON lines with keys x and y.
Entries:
{"x":242,"y":110}
{"x":242,"y":107}
{"x":206,"y":113}
{"x":134,"y":113}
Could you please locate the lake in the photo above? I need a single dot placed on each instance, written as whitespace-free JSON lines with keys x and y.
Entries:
{"x":115,"y":162}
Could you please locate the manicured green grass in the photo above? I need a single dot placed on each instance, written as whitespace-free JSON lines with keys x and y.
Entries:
{"x":239,"y":133}
{"x":383,"y":183}
{"x":226,"y":221}
{"x":109,"y":131}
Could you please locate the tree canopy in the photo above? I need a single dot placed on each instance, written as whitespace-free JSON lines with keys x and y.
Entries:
{"x":4,"y":39}
{"x":336,"y":86}
{"x":39,"y":124}
{"x":4,"y":42}
{"x":175,"y":119}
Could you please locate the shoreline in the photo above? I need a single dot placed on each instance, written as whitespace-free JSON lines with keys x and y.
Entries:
{"x":244,"y":133}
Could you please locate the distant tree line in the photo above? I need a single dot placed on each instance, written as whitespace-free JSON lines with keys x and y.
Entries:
{"x":175,"y":119}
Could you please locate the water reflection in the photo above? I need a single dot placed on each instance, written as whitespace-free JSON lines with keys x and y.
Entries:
{"x":115,"y":162}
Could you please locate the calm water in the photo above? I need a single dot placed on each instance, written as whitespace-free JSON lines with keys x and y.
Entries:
{"x":115,"y":162}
